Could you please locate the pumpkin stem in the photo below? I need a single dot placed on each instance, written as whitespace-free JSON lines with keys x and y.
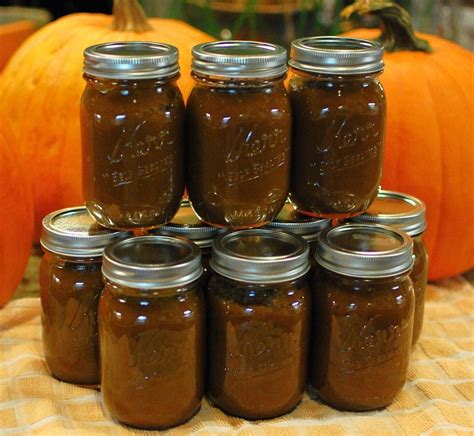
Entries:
{"x":128,"y":16}
{"x":396,"y":25}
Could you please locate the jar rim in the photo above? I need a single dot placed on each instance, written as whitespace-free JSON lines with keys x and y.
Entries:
{"x":152,"y":262}
{"x":336,"y":55}
{"x":72,"y":232}
{"x":352,"y":250}
{"x":239,"y":59}
{"x":307,"y":227}
{"x":131,"y":60}
{"x":412,"y":221}
{"x":199,"y":232}
{"x":260,"y":256}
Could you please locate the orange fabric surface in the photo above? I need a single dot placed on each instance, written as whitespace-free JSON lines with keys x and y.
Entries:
{"x":438,"y":397}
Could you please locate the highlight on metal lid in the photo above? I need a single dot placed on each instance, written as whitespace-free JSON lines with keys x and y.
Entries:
{"x":131,"y":60}
{"x":73,"y":232}
{"x":260,"y":256}
{"x":293,"y":222}
{"x":239,"y":59}
{"x":152,"y":262}
{"x":186,"y":224}
{"x":398,"y":210}
{"x":365,"y":251}
{"x":336,"y":55}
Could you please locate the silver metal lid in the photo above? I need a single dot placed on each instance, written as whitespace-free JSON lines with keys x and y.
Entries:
{"x":152,"y":262}
{"x":73,"y":232}
{"x":365,"y":251}
{"x":260,"y":256}
{"x":186,"y":224}
{"x":131,"y":60}
{"x":239,"y":59}
{"x":395,"y":209}
{"x":336,"y":55}
{"x":293,"y":222}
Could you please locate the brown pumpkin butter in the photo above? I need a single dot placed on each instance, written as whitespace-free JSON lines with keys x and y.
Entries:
{"x":363,"y":306}
{"x":361,"y":350}
{"x":406,"y":213}
{"x":419,"y":278}
{"x":132,"y":121}
{"x":71,"y":283}
{"x":339,"y":124}
{"x":151,"y":325}
{"x":258,"y":322}
{"x":259,"y":337}
{"x":70,"y":291}
{"x":238,"y":161}
{"x":153,"y":349}
{"x":239,"y":133}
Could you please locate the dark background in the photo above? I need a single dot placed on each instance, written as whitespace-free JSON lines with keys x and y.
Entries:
{"x":62,"y":7}
{"x":450,"y":19}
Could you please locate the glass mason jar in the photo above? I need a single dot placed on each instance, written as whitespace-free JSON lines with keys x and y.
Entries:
{"x":186,"y":224}
{"x":258,"y":323}
{"x":406,"y":213}
{"x":132,"y":122}
{"x":239,"y":133}
{"x":363,"y":306}
{"x":290,"y":220}
{"x":338,"y":109}
{"x":71,"y":282}
{"x":151,"y":322}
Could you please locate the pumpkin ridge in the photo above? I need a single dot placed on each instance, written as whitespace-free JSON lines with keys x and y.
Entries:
{"x":454,"y":79}
{"x":15,"y":243}
{"x":446,"y":162}
{"x":440,"y":197}
{"x":447,"y":156}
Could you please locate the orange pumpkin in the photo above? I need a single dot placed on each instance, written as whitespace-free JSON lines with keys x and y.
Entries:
{"x":16,"y":24}
{"x":17,"y":218}
{"x":11,"y":36}
{"x":429,"y":142}
{"x":42,"y":84}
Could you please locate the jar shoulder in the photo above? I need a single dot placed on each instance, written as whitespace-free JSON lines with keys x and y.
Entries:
{"x":293,"y":296}
{"x":126,"y":310}
{"x":65,"y":277}
{"x":342,"y":294}
{"x":336,"y":92}
{"x":110,"y":97}
{"x":268,"y":101}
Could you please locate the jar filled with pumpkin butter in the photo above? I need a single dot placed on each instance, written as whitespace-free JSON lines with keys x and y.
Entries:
{"x":405,"y":213}
{"x":151,"y":330}
{"x":71,"y":283}
{"x":363,"y":311}
{"x":259,"y":307}
{"x":338,"y":106}
{"x":239,"y":131}
{"x":132,"y":123}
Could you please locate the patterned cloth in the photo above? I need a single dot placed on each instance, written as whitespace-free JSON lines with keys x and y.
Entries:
{"x":437,"y":399}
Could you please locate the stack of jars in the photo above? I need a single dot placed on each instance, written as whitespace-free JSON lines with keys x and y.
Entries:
{"x":203,"y":300}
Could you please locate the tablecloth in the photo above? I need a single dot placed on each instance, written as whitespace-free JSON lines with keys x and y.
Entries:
{"x":438,"y":397}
